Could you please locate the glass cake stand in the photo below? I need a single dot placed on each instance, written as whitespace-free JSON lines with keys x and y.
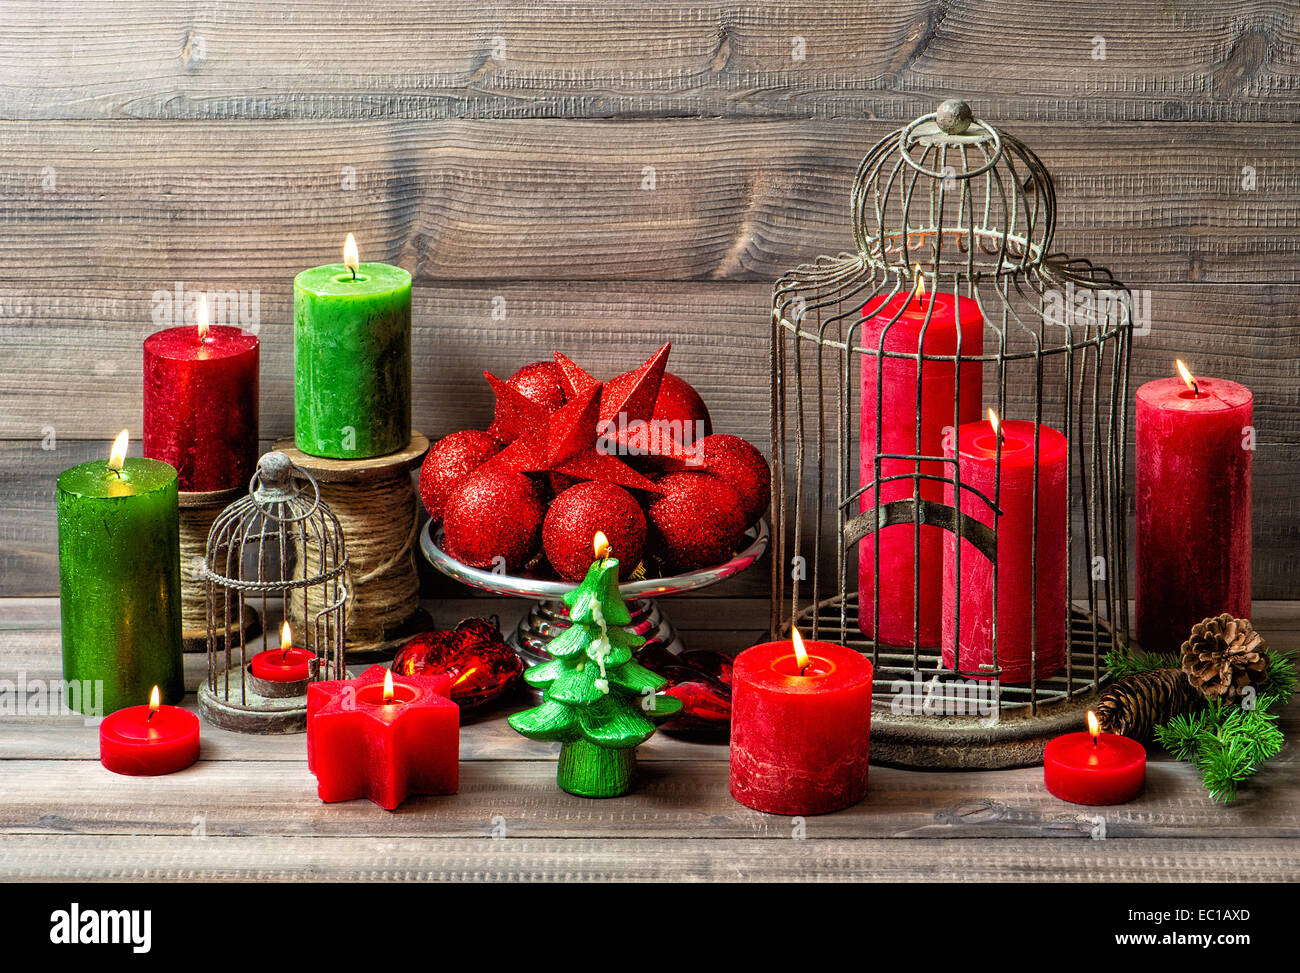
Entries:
{"x":548,"y":615}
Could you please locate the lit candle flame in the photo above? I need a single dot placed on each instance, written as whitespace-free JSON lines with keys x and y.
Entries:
{"x":155,"y":702}
{"x":1187,"y":376}
{"x":920,"y":281}
{"x":600,"y":545}
{"x":117,"y":457}
{"x":388,"y":687}
{"x":800,"y":653}
{"x":996,"y":423}
{"x":351,"y":258}
{"x":1093,"y":726}
{"x":201,"y":316}
{"x":286,"y":639}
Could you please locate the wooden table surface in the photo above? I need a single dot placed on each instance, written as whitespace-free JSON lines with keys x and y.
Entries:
{"x":248,"y":811}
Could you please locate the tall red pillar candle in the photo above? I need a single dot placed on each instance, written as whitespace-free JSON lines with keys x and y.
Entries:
{"x":148,"y":741}
{"x":200,"y":403}
{"x":1094,"y":768}
{"x":800,"y":727}
{"x":1021,"y":644}
{"x":383,"y":738}
{"x":889,"y":408}
{"x":1193,"y":506}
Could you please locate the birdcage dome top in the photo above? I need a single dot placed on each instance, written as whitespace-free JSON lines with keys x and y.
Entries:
{"x":952,"y":194}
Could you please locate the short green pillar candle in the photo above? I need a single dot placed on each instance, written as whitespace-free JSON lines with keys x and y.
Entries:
{"x":120,"y":583}
{"x":352,"y":359}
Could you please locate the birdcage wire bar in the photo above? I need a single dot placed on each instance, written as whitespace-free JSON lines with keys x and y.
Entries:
{"x":971,"y":213}
{"x":278,"y":544}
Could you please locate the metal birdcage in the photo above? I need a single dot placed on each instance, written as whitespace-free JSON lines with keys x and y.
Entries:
{"x":898,"y":506}
{"x":279,"y":548}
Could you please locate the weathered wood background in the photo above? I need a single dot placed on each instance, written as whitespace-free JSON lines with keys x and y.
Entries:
{"x":500,"y":150}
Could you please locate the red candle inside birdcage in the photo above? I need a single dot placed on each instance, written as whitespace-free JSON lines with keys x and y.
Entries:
{"x":1028,"y":615}
{"x":906,"y":405}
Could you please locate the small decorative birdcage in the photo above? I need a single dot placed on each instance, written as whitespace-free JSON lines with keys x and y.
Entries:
{"x":278,"y":548}
{"x":949,"y":406}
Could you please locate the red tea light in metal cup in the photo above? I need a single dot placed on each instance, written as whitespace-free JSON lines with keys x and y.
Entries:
{"x":1093,"y":767}
{"x":285,"y":664}
{"x":149,"y":741}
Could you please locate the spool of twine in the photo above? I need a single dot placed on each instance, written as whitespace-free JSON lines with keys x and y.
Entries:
{"x":380,"y":523}
{"x":198,"y":511}
{"x":377,"y":508}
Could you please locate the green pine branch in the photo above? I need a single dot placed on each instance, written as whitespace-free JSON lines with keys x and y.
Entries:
{"x":1229,"y":742}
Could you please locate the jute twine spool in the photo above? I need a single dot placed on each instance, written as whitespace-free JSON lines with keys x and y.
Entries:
{"x":377,"y":508}
{"x":198,"y":511}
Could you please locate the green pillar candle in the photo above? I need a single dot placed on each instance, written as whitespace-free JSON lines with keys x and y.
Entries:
{"x":352,"y":359}
{"x":119,"y":582}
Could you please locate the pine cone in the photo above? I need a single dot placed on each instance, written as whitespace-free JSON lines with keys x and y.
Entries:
{"x":1223,"y":656}
{"x":1136,"y":705}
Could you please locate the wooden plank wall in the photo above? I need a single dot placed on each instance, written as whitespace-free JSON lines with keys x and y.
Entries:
{"x":502,"y":150}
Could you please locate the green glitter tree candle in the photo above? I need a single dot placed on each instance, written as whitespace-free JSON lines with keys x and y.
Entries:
{"x":119,"y":581}
{"x":352,"y":359}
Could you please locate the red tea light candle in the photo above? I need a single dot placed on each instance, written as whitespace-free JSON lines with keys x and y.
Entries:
{"x":937,"y":324}
{"x":1094,"y":767}
{"x":200,"y":403}
{"x":800,"y":727}
{"x":1020,"y":645}
{"x":285,"y":664}
{"x":383,"y":738}
{"x":149,"y":741}
{"x":1194,"y":446}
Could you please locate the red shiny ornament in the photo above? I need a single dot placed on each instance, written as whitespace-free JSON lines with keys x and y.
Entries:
{"x":705,"y":710}
{"x":539,"y":381}
{"x":573,"y":379}
{"x":679,"y":402}
{"x":481,"y":666}
{"x":744,"y":467}
{"x":449,"y":462}
{"x":576,"y":515}
{"x":697,"y":521}
{"x":495,"y":513}
{"x":515,"y":413}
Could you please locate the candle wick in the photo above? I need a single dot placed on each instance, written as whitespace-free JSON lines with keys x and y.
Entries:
{"x":1196,"y":389}
{"x":354,"y":272}
{"x":804,"y":671}
{"x":150,"y":716}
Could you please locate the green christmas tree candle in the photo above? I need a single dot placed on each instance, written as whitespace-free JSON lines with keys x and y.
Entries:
{"x":352,"y":358}
{"x":119,"y":580}
{"x":597,"y":703}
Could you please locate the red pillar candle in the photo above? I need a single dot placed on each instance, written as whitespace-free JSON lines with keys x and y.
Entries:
{"x":1193,"y":481}
{"x":200,"y":403}
{"x":284,"y":664}
{"x":1020,"y":642}
{"x":890,"y":409}
{"x":800,"y":727}
{"x":382,"y":738}
{"x":1094,"y":767}
{"x":148,"y":741}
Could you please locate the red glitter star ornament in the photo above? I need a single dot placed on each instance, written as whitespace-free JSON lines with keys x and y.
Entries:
{"x":360,"y":745}
{"x":515,"y":414}
{"x":565,"y":444}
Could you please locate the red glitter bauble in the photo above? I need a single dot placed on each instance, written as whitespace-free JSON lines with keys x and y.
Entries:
{"x":697,"y":521}
{"x":495,"y":513}
{"x":576,"y":515}
{"x":743,"y":466}
{"x":679,"y":402}
{"x":539,"y":381}
{"x":449,"y":461}
{"x":481,"y":665}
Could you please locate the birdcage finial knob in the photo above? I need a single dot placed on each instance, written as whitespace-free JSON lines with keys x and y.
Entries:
{"x":953,"y":116}
{"x":274,"y":471}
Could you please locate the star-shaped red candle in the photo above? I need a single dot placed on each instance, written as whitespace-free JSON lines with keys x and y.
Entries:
{"x":364,"y":742}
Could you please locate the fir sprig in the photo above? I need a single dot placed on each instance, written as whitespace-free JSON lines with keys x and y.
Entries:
{"x":1228,"y":742}
{"x":1121,"y":664}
